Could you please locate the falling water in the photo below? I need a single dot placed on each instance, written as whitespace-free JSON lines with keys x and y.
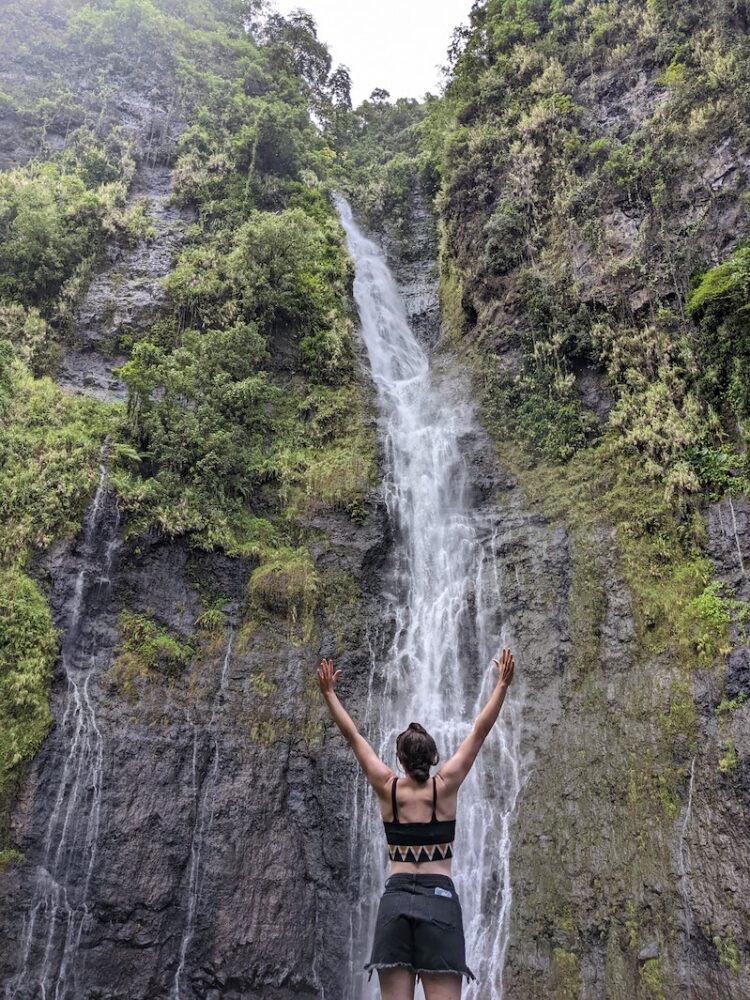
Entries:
{"x":737,"y":538}
{"x":684,"y":880}
{"x":60,"y":903}
{"x":444,"y":601}
{"x":204,"y":798}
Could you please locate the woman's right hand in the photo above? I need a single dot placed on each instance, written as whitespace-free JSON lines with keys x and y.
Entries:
{"x":505,"y":667}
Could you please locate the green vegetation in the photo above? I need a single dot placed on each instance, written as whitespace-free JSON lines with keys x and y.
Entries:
{"x":8,"y":857}
{"x":212,"y":622}
{"x":247,"y":415}
{"x":726,"y":947}
{"x":262,"y":685}
{"x":147,"y":652}
{"x":286,"y":583}
{"x":728,"y":705}
{"x":49,"y":458}
{"x":728,"y":762}
{"x":720,"y":303}
{"x":28,"y":646}
{"x":246,"y":407}
{"x":566,"y":975}
{"x":384,"y":162}
{"x":707,"y":622}
{"x":651,"y":985}
{"x":265,"y":267}
{"x":51,"y":223}
{"x":49,"y":455}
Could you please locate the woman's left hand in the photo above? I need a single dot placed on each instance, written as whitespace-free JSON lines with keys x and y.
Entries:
{"x":505,"y":668}
{"x":327,"y":677}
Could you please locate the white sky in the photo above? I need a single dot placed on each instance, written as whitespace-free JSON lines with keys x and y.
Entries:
{"x":396,"y":44}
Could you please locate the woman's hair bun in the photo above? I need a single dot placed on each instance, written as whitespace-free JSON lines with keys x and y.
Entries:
{"x":417,"y":752}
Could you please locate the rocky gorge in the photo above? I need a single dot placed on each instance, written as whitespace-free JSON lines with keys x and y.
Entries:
{"x":186,"y":828}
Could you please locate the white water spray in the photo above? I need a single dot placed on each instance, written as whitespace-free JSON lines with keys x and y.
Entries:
{"x":444,"y":602}
{"x":59,"y":907}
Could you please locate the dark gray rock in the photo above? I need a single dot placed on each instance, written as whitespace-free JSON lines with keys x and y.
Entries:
{"x":729,"y":542}
{"x":128,"y":293}
{"x":649,"y":952}
{"x":185,"y":828}
{"x":222,"y":797}
{"x":413,"y":260}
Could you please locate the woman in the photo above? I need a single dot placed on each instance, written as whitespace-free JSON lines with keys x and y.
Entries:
{"x":419,"y":929}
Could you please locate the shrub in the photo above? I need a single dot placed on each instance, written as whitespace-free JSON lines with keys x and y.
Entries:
{"x":28,"y":646}
{"x":49,"y":457}
{"x":49,"y":223}
{"x":505,"y":232}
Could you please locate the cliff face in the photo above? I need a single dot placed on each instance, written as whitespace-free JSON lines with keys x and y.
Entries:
{"x":595,"y":169}
{"x":628,"y":872}
{"x":179,"y":830}
{"x":201,"y":822}
{"x":183,"y":831}
{"x":619,"y":890}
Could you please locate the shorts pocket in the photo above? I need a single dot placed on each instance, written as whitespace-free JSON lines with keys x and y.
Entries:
{"x":443,"y":912}
{"x":391,"y":908}
{"x":447,"y":920}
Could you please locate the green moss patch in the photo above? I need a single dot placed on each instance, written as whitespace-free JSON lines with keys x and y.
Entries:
{"x":28,"y":647}
{"x":286,"y":584}
{"x":147,"y":652}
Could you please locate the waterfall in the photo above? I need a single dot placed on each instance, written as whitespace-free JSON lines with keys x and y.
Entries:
{"x":59,"y":907}
{"x":737,"y":538}
{"x":443,"y":600}
{"x":204,"y":798}
{"x":684,"y":880}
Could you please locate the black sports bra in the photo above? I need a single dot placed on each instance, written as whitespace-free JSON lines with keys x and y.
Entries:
{"x":419,"y":842}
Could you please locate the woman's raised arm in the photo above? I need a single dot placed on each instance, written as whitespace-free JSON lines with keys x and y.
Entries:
{"x":376,"y":772}
{"x":455,"y":770}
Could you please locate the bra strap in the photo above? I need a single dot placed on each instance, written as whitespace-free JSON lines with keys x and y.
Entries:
{"x":393,"y":800}
{"x":434,"y":800}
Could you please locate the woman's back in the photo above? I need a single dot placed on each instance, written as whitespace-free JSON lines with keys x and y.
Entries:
{"x":414,"y":800}
{"x":420,"y":821}
{"x":419,"y":926}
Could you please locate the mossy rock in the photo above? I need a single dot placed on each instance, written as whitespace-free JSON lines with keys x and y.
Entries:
{"x":286,"y":583}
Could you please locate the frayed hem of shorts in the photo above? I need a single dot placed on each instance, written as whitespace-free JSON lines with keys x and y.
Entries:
{"x":375,"y":966}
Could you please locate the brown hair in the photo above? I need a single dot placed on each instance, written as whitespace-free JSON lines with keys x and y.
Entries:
{"x":417,"y":752}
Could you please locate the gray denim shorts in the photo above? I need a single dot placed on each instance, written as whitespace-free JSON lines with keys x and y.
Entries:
{"x":420,"y":926}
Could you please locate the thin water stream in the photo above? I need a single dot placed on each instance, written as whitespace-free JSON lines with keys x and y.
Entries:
{"x":204,"y":797}
{"x":737,"y":538}
{"x":684,"y":881}
{"x":444,"y":600}
{"x":58,"y":911}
